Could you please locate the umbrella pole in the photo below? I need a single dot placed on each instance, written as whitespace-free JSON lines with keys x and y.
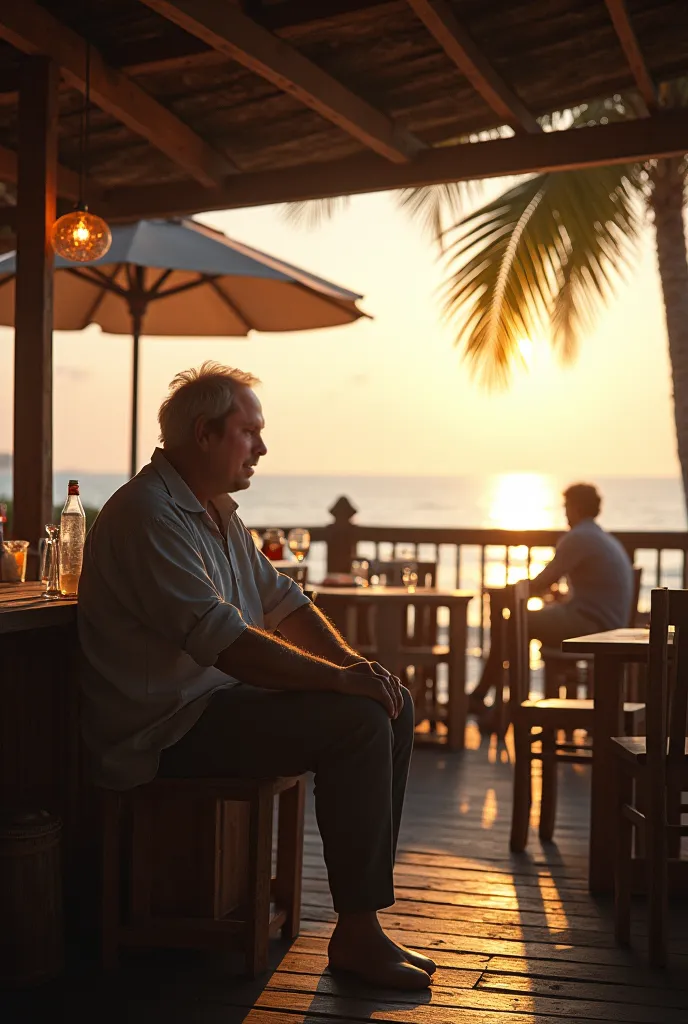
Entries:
{"x":136,"y":334}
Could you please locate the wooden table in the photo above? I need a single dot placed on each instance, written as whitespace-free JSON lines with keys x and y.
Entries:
{"x":390,"y":604}
{"x":611,"y":651}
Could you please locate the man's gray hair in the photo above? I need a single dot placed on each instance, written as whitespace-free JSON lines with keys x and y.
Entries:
{"x":208,"y":391}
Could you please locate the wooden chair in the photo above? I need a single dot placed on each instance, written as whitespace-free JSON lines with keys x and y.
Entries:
{"x":188,"y":863}
{"x":423,"y":652}
{"x":652,"y":773}
{"x":548,"y":716}
{"x":562,"y":669}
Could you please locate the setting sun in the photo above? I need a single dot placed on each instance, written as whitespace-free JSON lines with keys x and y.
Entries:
{"x":525,"y":348}
{"x":520,"y":501}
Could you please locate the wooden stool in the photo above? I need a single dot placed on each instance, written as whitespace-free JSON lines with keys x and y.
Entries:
{"x":198,"y":856}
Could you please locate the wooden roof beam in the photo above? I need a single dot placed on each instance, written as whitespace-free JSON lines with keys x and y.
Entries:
{"x":439,"y":19}
{"x":665,"y":134}
{"x":32,"y":29}
{"x":618,"y":12}
{"x":227,"y":30}
{"x":67,"y":180}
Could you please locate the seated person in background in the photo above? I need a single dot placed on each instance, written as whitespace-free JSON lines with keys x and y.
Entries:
{"x":600,"y":580}
{"x":185,"y":676}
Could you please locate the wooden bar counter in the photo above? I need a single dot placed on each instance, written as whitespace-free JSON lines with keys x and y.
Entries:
{"x":40,"y":759}
{"x":24,"y":609}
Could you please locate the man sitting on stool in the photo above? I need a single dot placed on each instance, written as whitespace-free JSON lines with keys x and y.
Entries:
{"x":600,"y":579}
{"x":177,"y":613}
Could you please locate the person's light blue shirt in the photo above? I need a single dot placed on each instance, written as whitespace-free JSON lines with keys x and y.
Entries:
{"x":599,"y":574}
{"x":162,"y":593}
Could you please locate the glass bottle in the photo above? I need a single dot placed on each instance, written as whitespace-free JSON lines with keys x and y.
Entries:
{"x":72,"y":537}
{"x":51,"y":570}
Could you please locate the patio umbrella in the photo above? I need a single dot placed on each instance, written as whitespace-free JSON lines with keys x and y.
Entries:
{"x":180,"y":278}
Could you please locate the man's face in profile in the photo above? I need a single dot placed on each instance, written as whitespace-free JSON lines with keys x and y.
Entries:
{"x":235,"y":454}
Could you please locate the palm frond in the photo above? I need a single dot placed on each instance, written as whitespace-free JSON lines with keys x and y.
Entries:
{"x":311,"y":213}
{"x":543,"y":254}
{"x":431,"y":205}
{"x":619,"y":107}
{"x":435,"y":205}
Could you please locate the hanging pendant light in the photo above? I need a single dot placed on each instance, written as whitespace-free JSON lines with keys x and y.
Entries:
{"x":82,"y":236}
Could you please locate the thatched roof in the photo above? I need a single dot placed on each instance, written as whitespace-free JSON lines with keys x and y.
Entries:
{"x":539,"y":56}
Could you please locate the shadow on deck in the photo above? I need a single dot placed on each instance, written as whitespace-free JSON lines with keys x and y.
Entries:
{"x":517,"y":939}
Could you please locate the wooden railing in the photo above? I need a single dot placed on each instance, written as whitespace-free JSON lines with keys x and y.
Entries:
{"x":475,"y":559}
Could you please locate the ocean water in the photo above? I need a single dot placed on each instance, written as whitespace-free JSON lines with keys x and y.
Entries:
{"x":507,"y":500}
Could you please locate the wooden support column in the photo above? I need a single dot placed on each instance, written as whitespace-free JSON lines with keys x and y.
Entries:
{"x":33,"y":344}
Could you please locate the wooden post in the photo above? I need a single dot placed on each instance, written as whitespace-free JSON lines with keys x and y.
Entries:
{"x":341,"y":536}
{"x":33,"y":353}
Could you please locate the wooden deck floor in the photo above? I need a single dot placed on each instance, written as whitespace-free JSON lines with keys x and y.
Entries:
{"x":518,"y":940}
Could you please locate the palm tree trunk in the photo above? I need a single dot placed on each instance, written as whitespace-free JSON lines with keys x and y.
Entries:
{"x":667,"y":203}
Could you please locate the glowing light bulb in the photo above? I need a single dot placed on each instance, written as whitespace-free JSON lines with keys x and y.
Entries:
{"x":81,"y":236}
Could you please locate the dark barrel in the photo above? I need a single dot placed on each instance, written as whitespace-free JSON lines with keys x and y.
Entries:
{"x":31,"y":932}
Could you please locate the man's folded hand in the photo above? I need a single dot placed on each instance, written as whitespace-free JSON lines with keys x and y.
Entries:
{"x":369,"y":679}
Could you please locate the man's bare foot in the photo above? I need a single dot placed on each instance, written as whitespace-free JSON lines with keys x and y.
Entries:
{"x":419,"y":960}
{"x":359,"y":946}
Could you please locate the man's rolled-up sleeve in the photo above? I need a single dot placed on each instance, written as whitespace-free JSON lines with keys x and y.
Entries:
{"x":279,"y":595}
{"x":166,"y":577}
{"x":214,"y":632}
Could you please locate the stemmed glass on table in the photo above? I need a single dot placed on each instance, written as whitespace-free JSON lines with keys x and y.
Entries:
{"x":409,"y":569}
{"x":299,"y":541}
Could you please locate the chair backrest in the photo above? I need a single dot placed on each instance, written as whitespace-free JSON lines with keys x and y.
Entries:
{"x":667,"y":689}
{"x":518,"y":644}
{"x":393,"y":569}
{"x":637,"y":580}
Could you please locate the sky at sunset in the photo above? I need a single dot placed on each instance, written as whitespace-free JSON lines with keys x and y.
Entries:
{"x":388,"y":395}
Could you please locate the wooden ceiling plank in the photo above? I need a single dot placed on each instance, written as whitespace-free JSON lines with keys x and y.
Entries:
{"x":230,"y":32}
{"x":67,"y":180}
{"x":33,"y":30}
{"x":439,"y":19}
{"x":274,"y":18}
{"x":665,"y":134}
{"x":618,"y":12}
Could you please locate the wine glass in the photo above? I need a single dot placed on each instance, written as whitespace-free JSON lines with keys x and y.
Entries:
{"x":360,"y":569}
{"x":409,"y":576}
{"x":299,"y":541}
{"x":409,"y":568}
